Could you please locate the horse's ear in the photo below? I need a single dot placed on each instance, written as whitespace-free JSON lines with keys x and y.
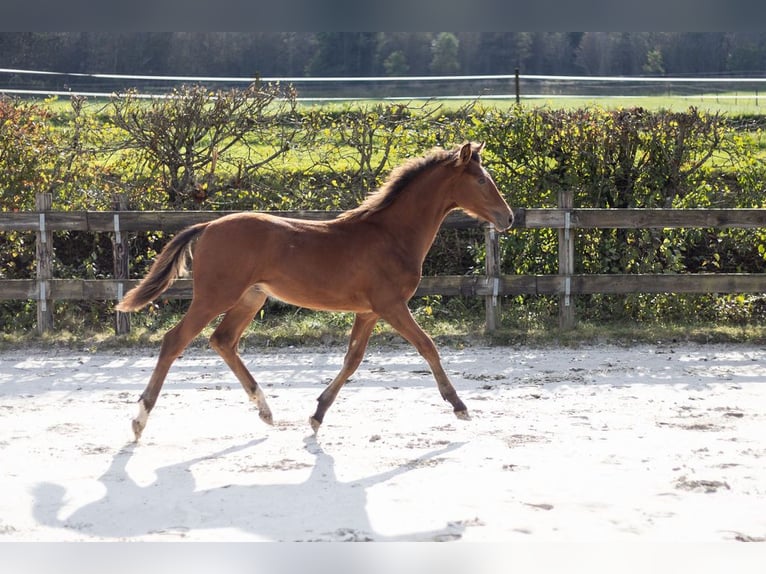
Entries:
{"x":464,"y":155}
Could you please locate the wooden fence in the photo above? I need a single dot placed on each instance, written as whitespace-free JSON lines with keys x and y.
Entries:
{"x":45,"y":289}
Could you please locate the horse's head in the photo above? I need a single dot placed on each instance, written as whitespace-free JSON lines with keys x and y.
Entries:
{"x":475,"y":192}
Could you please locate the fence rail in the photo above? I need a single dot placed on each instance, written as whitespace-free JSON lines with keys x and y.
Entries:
{"x":45,"y":289}
{"x":44,"y":83}
{"x":554,"y":218}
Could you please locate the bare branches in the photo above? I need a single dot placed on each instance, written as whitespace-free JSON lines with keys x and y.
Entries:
{"x":190,"y":132}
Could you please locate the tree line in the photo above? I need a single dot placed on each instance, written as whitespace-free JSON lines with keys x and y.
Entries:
{"x":251,"y":54}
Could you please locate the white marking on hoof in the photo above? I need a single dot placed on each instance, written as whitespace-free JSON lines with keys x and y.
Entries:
{"x":315,"y":424}
{"x":139,"y":423}
{"x":143,"y":414}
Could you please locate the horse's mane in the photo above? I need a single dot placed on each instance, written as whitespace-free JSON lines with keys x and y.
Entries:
{"x":398,"y":180}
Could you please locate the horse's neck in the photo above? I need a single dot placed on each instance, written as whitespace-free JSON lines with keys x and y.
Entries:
{"x":417,"y":214}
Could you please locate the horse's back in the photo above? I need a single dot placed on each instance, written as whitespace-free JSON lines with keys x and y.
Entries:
{"x":315,"y":264}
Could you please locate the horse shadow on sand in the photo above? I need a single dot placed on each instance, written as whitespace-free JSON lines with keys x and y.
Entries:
{"x":321,"y":508}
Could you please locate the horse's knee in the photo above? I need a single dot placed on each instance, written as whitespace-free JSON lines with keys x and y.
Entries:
{"x":220,"y":343}
{"x":215,"y":343}
{"x":353,"y":359}
{"x":172,"y":345}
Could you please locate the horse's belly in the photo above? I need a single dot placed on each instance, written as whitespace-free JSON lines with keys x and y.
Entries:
{"x":318,"y":298}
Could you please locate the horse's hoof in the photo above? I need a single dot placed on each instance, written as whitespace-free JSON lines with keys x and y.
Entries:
{"x":266,"y":417}
{"x":463,"y":415}
{"x":138,"y":428}
{"x":315,"y":424}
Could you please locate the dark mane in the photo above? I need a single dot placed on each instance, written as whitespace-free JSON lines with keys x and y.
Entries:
{"x":397,"y":181}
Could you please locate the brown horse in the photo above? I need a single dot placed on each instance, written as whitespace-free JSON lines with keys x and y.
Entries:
{"x":367,"y":261}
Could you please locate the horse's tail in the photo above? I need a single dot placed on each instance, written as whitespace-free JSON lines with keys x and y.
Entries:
{"x":169,"y":265}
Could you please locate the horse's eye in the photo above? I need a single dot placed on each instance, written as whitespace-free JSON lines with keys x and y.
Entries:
{"x":482,"y":180}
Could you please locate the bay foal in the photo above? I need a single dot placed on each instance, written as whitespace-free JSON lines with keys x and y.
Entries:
{"x":367,"y":261}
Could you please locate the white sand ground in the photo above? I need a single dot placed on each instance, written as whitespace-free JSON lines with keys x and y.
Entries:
{"x":601,"y":443}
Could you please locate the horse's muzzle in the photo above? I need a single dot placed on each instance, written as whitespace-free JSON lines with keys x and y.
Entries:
{"x":503,"y":221}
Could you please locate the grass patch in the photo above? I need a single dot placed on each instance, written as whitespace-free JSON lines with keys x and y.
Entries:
{"x":303,"y":328}
{"x":731,"y":103}
{"x":631,"y":333}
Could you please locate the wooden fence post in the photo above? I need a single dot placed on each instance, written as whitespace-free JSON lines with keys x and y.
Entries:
{"x":121,"y":270}
{"x":492,"y":270}
{"x":44,"y":259}
{"x":566,"y":262}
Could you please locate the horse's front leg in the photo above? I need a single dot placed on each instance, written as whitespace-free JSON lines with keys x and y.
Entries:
{"x":402,"y":320}
{"x":360,"y":335}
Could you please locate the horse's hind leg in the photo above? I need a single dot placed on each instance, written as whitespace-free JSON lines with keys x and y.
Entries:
{"x":401,"y":319}
{"x":173,"y":344}
{"x":360,"y":335}
{"x":225,"y":340}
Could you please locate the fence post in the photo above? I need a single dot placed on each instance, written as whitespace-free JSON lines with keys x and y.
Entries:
{"x":44,"y":259}
{"x":492,"y":270}
{"x":566,"y":262}
{"x":120,"y":253}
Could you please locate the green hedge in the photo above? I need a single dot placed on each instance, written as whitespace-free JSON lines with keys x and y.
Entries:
{"x":330,"y":157}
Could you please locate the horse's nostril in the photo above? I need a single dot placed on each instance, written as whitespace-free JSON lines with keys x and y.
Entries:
{"x":504,"y":221}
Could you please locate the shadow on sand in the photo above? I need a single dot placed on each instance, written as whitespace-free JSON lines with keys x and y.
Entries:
{"x":319,"y":509}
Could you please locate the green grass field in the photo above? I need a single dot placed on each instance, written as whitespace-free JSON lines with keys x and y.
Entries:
{"x":730,"y":103}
